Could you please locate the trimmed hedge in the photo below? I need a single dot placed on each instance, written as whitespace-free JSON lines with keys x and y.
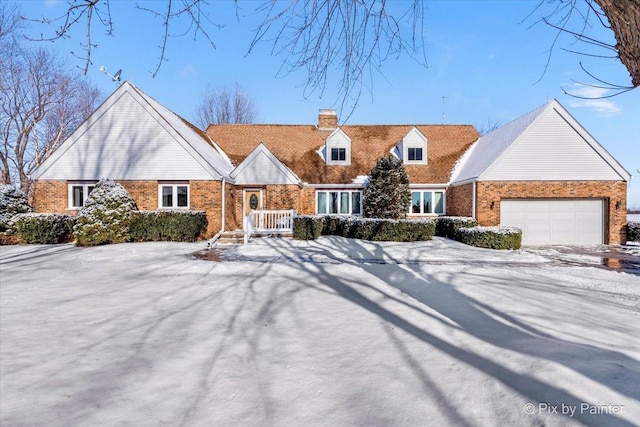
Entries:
{"x":307,"y":227}
{"x":447,"y":226}
{"x":373,"y":229}
{"x":43,"y":228}
{"x":169,"y":225}
{"x":633,"y":231}
{"x":491,"y":237}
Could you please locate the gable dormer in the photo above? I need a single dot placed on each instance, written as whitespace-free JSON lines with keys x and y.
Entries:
{"x":337,"y":148}
{"x":412,"y":149}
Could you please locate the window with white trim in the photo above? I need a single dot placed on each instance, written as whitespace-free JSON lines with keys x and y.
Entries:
{"x":427,"y":202}
{"x":342,"y":202}
{"x":173,"y":195}
{"x":414,"y":154}
{"x":78,"y":193}
{"x":338,"y":154}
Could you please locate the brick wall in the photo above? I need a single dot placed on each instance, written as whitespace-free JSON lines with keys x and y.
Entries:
{"x":207,"y":196}
{"x":460,"y":200}
{"x":614,"y":194}
{"x":307,"y":202}
{"x":51,"y":196}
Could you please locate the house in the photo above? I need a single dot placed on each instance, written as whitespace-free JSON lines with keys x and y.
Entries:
{"x":542,"y":172}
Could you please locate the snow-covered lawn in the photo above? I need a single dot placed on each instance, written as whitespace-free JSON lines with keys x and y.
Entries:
{"x":334,"y":332}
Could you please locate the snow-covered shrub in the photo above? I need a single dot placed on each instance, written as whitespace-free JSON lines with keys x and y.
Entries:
{"x":491,"y":237}
{"x":43,"y":228}
{"x":446,"y":226}
{"x":387,"y":195}
{"x":106,"y":215}
{"x":374,"y":229}
{"x":12,"y":202}
{"x":633,"y":231}
{"x":389,"y":230}
{"x":169,"y":225}
{"x":307,"y":227}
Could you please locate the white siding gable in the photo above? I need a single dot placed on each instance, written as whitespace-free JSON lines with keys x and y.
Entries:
{"x":552,"y":149}
{"x":261,"y":167}
{"x":128,"y":138}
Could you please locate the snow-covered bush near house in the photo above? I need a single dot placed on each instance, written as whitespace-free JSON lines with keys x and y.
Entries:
{"x":12,"y":202}
{"x":106,"y":215}
{"x":43,"y":228}
{"x":167,"y":225}
{"x":447,"y":226}
{"x":491,"y":237}
{"x":387,"y":195}
{"x":633,"y":231}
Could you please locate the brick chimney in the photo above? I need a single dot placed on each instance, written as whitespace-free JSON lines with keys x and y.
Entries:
{"x":327,"y":119}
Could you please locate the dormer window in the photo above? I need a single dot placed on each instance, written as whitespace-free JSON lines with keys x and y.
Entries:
{"x":412,"y":149}
{"x":338,"y":148}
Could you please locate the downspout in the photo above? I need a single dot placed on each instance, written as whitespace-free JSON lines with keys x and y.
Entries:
{"x":473,"y":200}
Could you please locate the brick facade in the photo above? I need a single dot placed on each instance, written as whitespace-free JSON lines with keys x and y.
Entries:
{"x":614,"y":194}
{"x":460,"y":200}
{"x":52,"y":196}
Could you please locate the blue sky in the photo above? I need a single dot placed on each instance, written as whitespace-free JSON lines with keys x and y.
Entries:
{"x":485,"y":57}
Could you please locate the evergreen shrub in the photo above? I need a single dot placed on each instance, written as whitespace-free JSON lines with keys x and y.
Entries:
{"x":43,"y":228}
{"x":491,"y":237}
{"x":12,"y":202}
{"x":168,"y":225}
{"x":106,"y":215}
{"x":307,"y":227}
{"x":633,"y":231}
{"x":447,"y":226}
{"x":387,"y":195}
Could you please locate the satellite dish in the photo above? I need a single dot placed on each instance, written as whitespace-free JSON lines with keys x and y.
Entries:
{"x":116,"y":76}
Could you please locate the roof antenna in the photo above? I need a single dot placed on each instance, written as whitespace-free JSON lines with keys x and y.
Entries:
{"x":115,"y":77}
{"x":443,"y":118}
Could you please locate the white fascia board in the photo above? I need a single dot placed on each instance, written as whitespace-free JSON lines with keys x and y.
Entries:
{"x":430,"y":186}
{"x":333,"y":186}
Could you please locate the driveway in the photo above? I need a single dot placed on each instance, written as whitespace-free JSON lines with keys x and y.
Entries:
{"x":335,"y":332}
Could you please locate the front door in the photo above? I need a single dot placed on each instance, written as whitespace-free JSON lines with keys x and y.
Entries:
{"x":252,"y":201}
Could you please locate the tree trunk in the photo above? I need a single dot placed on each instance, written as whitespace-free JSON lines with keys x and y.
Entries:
{"x":624,"y":18}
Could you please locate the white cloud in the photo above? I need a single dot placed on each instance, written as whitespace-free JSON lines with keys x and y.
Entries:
{"x":595,"y":101}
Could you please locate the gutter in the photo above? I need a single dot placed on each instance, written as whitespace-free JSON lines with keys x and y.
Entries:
{"x":473,"y":200}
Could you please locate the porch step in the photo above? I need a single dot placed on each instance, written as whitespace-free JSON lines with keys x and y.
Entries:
{"x":237,"y":237}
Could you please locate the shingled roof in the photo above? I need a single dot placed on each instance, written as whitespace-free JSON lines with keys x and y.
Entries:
{"x":297,"y":147}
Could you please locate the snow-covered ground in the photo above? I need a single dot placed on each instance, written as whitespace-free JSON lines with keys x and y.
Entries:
{"x":335,"y":332}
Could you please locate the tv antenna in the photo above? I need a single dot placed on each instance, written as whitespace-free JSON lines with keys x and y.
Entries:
{"x":443,"y":118}
{"x":115,"y":77}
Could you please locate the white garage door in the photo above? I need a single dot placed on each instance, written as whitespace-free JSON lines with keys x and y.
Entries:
{"x":549,"y":222}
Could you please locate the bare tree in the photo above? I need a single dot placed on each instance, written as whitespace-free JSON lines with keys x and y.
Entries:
{"x":41,"y":103}
{"x":225,"y":106}
{"x":578,"y":18}
{"x":348,"y":37}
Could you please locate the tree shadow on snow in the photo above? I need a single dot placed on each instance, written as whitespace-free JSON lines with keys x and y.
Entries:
{"x":612,"y":369}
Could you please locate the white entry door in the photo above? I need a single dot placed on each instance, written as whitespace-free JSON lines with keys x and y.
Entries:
{"x":555,"y":222}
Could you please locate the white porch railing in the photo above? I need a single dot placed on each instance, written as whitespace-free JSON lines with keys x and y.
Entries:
{"x":269,"y":222}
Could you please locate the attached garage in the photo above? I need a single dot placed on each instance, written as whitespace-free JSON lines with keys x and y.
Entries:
{"x":556,"y":222}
